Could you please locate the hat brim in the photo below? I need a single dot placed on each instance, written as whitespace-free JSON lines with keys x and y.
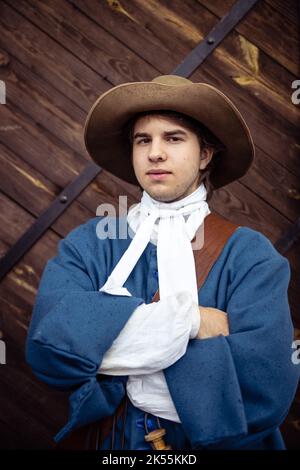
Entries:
{"x":109,"y":147}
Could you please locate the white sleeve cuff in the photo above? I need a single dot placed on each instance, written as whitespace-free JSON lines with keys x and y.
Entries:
{"x":196,"y":321}
{"x":155,"y":336}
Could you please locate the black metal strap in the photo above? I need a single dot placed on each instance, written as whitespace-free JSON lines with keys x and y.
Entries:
{"x":185,"y":69}
{"x":214,"y":37}
{"x":45,"y":220}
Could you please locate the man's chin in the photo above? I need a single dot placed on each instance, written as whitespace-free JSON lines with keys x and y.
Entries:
{"x":162,"y":196}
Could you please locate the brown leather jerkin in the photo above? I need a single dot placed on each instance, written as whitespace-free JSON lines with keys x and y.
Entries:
{"x":217,"y":231}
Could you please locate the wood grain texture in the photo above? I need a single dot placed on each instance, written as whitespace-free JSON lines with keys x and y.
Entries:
{"x":56,"y":58}
{"x":276,"y":35}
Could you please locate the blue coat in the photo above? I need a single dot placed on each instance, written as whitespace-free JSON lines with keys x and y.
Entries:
{"x":229,"y":392}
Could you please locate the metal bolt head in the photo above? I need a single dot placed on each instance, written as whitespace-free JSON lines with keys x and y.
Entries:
{"x":210,"y":40}
{"x":63,"y":199}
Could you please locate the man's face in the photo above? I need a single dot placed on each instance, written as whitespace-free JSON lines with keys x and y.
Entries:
{"x":159,"y":144}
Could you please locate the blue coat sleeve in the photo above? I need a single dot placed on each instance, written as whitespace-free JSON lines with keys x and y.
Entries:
{"x":72,"y":327}
{"x":231,"y":390}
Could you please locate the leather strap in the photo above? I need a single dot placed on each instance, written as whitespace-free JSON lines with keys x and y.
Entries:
{"x":217,"y":231}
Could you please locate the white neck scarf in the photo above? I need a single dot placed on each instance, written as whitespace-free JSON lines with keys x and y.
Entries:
{"x":172,"y":226}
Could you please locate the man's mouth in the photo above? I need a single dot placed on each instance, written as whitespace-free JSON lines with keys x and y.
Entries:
{"x":158,"y":174}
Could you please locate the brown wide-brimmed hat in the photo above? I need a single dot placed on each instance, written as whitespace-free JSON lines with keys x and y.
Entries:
{"x":108,"y":144}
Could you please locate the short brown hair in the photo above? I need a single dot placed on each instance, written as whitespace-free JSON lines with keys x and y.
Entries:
{"x":206,"y":138}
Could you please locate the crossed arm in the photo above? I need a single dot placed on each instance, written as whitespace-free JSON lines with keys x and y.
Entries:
{"x":74,"y":326}
{"x":157,"y":335}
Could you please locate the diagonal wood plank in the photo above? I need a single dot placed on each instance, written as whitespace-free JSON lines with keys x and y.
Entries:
{"x":266,"y":27}
{"x":49,"y":59}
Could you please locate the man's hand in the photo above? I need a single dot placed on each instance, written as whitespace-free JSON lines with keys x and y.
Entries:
{"x":214,"y":322}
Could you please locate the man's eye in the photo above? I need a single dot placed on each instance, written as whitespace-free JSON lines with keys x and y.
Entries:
{"x":146,"y":140}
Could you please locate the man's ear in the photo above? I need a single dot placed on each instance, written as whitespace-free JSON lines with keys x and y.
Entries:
{"x":205,"y":157}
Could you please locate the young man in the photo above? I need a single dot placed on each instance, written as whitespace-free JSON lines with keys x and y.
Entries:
{"x":211,"y":367}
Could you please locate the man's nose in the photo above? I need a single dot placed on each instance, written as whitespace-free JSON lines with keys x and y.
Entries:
{"x":157,"y":153}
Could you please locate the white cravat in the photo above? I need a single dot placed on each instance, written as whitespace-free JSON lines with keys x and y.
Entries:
{"x":171,"y":226}
{"x":175,"y":259}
